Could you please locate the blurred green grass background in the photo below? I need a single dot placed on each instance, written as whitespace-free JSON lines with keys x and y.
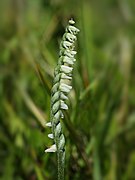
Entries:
{"x":100,"y":124}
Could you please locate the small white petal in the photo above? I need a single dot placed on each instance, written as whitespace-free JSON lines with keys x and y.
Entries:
{"x":63,"y":105}
{"x":51,"y":149}
{"x":71,"y":21}
{"x":65,"y":88}
{"x":67,"y":44}
{"x":66,"y":69}
{"x":70,"y":37}
{"x":73,"y":52}
{"x":67,"y":52}
{"x":64,"y":76}
{"x":49,"y":124}
{"x":73,"y":29}
{"x":68,"y":60}
{"x":50,"y":136}
{"x":63,"y":96}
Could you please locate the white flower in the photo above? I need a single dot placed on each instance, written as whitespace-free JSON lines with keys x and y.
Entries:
{"x":64,"y":76}
{"x":68,"y":60}
{"x":50,"y":136}
{"x":66,"y":69}
{"x":63,"y":96}
{"x":70,"y":37}
{"x":67,"y":44}
{"x":49,"y":124}
{"x":65,"y":88}
{"x":63,"y":105}
{"x":51,"y":149}
{"x":73,"y":29}
{"x":71,"y":21}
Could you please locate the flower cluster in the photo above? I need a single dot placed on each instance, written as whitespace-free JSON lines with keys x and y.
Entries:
{"x":61,"y":87}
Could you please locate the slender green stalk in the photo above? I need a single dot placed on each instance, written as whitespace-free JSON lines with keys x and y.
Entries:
{"x":61,"y":164}
{"x":60,"y":90}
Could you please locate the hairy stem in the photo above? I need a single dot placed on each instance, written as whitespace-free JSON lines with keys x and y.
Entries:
{"x":61,"y":164}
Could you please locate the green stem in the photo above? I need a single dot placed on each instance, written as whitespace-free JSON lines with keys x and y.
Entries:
{"x":60,"y":155}
{"x":61,"y":162}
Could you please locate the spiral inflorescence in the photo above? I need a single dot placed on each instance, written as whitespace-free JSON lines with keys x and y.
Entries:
{"x":61,"y":87}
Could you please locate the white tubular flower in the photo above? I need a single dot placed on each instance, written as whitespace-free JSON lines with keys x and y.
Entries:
{"x":51,"y":149}
{"x":64,"y":76}
{"x":72,"y":29}
{"x":49,"y":124}
{"x":63,"y":105}
{"x":50,"y":136}
{"x":67,"y":52}
{"x":65,"y":88}
{"x":68,"y":60}
{"x":67,"y":44}
{"x":71,"y":21}
{"x":63,"y":96}
{"x":66,"y":69}
{"x":70,"y":37}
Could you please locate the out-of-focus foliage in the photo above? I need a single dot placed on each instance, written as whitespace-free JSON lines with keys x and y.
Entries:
{"x":100,"y":124}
